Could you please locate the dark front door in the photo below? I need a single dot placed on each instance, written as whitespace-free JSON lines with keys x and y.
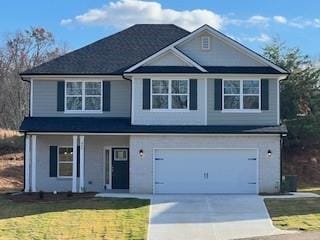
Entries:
{"x":120,"y":168}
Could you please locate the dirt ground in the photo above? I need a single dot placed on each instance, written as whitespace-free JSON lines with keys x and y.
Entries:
{"x":305,"y":163}
{"x":11,"y":174}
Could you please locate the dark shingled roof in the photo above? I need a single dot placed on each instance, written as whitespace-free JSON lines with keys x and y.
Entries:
{"x":123,"y":125}
{"x":210,"y":69}
{"x":113,"y":54}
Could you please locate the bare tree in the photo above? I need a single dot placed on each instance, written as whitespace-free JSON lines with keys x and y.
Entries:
{"x":22,"y":50}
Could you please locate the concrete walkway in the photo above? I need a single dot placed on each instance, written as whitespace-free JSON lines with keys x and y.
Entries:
{"x":214,"y":217}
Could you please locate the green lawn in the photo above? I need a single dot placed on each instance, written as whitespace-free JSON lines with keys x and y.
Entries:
{"x":95,"y":218}
{"x":295,"y":214}
{"x":309,"y":188}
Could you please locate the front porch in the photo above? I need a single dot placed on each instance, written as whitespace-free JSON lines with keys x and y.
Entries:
{"x":77,"y":163}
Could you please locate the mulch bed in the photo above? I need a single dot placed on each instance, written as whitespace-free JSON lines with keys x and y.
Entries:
{"x":49,"y":197}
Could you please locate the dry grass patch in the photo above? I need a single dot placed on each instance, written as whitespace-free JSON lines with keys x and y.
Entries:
{"x":94,"y":218}
{"x":295,"y":214}
{"x":310,"y":188}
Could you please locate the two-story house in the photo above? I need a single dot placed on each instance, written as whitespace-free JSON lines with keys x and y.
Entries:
{"x":155,"y":109}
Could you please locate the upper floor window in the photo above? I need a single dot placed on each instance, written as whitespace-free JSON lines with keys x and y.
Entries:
{"x":205,"y":43}
{"x":241,"y":95}
{"x":83,"y":96}
{"x":170,"y":94}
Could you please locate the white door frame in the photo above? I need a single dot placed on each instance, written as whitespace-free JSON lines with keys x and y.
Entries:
{"x":110,"y":163}
{"x":154,"y":164}
{"x":108,"y":186}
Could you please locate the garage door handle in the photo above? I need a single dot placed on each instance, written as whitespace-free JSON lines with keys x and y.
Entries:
{"x":159,"y":183}
{"x":252,"y":183}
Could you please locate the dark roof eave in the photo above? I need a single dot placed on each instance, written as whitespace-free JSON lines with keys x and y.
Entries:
{"x":123,"y":126}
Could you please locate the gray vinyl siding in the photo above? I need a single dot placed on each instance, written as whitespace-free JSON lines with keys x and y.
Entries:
{"x":217,"y":117}
{"x":94,"y":161}
{"x":45,"y":100}
{"x":154,"y":117}
{"x":167,"y":59}
{"x":220,"y":53}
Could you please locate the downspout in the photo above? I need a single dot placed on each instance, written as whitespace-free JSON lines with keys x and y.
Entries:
{"x":130,"y":80}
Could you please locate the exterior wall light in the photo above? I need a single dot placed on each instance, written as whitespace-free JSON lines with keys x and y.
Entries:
{"x":141,"y":153}
{"x":269,"y":153}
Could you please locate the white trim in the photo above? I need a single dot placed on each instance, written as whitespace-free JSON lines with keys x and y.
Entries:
{"x":221,"y":36}
{"x":83,"y":96}
{"x":81,"y":180}
{"x":188,"y":60}
{"x":31,"y":98}
{"x":132,"y":100}
{"x":33,"y":162}
{"x":241,"y":96}
{"x":204,"y":75}
{"x":108,"y":186}
{"x":278,"y":102}
{"x":209,"y":42}
{"x":155,"y":134}
{"x":205,"y":101}
{"x":169,"y":94}
{"x":27,"y":165}
{"x":74,"y":162}
{"x":56,"y":77}
{"x":165,"y":148}
{"x":174,"y":51}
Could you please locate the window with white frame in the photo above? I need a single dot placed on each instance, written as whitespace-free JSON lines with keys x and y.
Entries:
{"x":241,"y":95}
{"x":65,"y":161}
{"x":205,"y":43}
{"x":83,"y":96}
{"x":170,"y":94}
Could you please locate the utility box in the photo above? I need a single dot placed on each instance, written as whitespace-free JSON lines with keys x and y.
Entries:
{"x":290,"y":183}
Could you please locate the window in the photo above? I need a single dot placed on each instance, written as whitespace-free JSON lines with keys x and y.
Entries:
{"x":170,"y":94}
{"x":205,"y":43}
{"x":65,"y":161}
{"x":83,"y":96}
{"x":120,"y":154}
{"x":241,"y":95}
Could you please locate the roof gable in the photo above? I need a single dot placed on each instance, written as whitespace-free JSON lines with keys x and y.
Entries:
{"x":113,"y":54}
{"x":253,"y":59}
{"x":221,"y":53}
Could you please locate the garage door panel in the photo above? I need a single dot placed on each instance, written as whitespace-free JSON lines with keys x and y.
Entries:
{"x":205,"y":171}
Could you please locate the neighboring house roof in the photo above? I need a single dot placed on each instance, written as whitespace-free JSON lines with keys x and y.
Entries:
{"x":209,"y":69}
{"x":128,"y":50}
{"x":123,"y":125}
{"x":113,"y":54}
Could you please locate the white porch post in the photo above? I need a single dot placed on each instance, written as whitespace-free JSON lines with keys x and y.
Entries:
{"x":74,"y":165}
{"x":81,"y":187}
{"x":33,"y":162}
{"x":27,"y":165}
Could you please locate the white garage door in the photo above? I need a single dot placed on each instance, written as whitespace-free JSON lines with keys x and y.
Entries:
{"x":205,"y":171}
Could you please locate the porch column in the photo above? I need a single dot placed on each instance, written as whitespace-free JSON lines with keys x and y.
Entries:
{"x":33,"y":162}
{"x":81,"y":187}
{"x":74,"y":164}
{"x":27,"y":164}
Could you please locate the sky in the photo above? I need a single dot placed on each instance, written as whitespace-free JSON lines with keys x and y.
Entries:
{"x":251,"y":22}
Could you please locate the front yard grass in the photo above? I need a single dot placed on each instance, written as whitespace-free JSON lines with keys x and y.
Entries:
{"x":94,"y":218}
{"x":309,"y":188}
{"x":295,"y":214}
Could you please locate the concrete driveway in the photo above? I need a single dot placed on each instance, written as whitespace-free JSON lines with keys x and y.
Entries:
{"x":221,"y":217}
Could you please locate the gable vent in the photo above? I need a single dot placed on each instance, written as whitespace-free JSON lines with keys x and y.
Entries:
{"x":205,"y":43}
